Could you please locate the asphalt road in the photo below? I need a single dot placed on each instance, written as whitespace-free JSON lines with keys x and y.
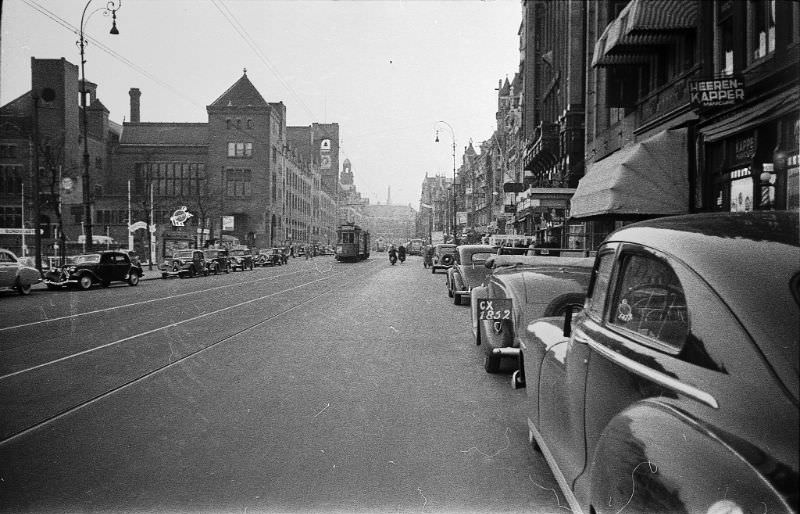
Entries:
{"x":317,"y":386}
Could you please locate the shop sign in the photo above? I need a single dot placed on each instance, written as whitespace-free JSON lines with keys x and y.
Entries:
{"x":180,"y":216}
{"x":227,"y":223}
{"x":716,"y":92}
{"x":744,"y":149}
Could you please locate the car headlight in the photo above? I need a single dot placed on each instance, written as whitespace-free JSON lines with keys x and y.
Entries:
{"x":72,"y":269}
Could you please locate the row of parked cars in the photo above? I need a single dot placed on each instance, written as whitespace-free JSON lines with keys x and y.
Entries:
{"x":193,"y":262}
{"x":661,"y":374}
{"x":103,"y":268}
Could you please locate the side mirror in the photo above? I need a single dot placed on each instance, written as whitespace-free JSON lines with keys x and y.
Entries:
{"x":568,"y":322}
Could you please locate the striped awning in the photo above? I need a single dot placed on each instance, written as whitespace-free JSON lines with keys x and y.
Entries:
{"x":640,"y":26}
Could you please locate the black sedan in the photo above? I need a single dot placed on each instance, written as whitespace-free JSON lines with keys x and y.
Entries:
{"x":102,"y":268}
{"x":676,"y":389}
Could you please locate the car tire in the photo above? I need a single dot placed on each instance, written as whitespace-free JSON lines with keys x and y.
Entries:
{"x":478,"y":335}
{"x":85,"y":282}
{"x":456,"y":299}
{"x":164,"y":275}
{"x":216,"y":270}
{"x":133,"y":279}
{"x":23,"y":289}
{"x":192,"y":272}
{"x":227,"y":269}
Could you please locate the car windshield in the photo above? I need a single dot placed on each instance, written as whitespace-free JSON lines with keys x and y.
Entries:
{"x":237,"y":252}
{"x":86,"y":259}
{"x":183,"y":254}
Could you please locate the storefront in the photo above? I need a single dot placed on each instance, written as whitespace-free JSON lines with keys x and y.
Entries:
{"x":751,"y":157}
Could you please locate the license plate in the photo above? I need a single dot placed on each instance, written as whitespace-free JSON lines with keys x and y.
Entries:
{"x":494,"y":309}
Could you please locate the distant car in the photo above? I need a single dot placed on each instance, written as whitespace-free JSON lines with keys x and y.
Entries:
{"x":184,"y":263}
{"x":241,"y":259}
{"x":102,"y":268}
{"x":469,"y":270}
{"x":535,"y":287}
{"x":217,"y":260}
{"x":270,"y":257}
{"x":16,"y":274}
{"x":444,"y":256}
{"x":676,"y":389}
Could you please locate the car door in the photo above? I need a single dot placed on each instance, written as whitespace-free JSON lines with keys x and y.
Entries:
{"x":562,"y":379}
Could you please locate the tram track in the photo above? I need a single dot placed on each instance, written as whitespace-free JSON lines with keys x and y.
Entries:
{"x":70,"y":399}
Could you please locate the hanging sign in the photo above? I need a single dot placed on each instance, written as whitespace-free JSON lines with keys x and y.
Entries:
{"x":716,"y":92}
{"x":180,"y":216}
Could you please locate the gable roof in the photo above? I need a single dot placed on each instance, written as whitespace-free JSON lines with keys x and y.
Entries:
{"x":241,"y":94}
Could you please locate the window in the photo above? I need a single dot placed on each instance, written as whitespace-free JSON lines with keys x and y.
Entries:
{"x":171,"y":178}
{"x":8,"y":151}
{"x":238,"y":149}
{"x":762,"y":23}
{"x":10,"y":180}
{"x":250,"y":124}
{"x":649,"y":301}
{"x":600,"y":279}
{"x":10,"y":217}
{"x":238,"y":183}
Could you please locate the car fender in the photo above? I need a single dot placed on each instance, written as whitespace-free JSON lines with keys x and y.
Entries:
{"x":82,"y":272}
{"x":475,"y":296}
{"x":640,"y":465}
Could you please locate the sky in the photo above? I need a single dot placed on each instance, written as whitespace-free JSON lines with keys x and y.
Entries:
{"x":386,"y":71}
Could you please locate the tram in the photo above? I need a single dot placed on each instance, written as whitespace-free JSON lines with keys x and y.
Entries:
{"x":352,"y":243}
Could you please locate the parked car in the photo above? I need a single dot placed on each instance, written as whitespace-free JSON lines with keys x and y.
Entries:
{"x":16,"y":274}
{"x":217,"y":260}
{"x":535,"y":287}
{"x":241,"y":259}
{"x":184,"y":263}
{"x":270,"y":257}
{"x":468,"y":271}
{"x":101,"y":268}
{"x":444,"y":256}
{"x":676,"y":389}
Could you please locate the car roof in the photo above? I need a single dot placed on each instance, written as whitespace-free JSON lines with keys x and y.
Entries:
{"x":750,"y":260}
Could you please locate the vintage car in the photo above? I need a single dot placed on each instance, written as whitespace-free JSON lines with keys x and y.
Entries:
{"x":270,"y":257}
{"x":184,"y":263}
{"x":241,"y":259}
{"x":101,"y":268}
{"x":217,"y":259}
{"x":16,"y":274}
{"x":444,"y":256}
{"x":676,"y":388}
{"x":469,"y":270}
{"x":518,"y":290}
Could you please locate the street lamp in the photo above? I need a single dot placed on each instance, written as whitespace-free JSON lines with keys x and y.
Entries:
{"x":453,"y":138}
{"x":111,"y":7}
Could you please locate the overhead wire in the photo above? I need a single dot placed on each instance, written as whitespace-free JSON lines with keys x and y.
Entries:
{"x":75,"y":30}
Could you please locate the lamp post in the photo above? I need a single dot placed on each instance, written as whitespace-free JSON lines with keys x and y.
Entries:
{"x":111,"y":7}
{"x":453,"y":138}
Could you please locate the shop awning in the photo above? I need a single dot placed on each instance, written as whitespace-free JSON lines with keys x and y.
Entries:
{"x":640,"y":26}
{"x":746,"y":119}
{"x":649,"y":178}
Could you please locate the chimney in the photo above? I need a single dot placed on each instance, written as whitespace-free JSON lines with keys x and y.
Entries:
{"x":135,"y":94}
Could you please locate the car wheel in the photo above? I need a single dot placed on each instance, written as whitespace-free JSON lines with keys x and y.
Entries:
{"x":216,"y":270}
{"x":23,"y":289}
{"x":192,"y":272}
{"x":164,"y":275}
{"x":456,"y":299}
{"x":478,"y":335}
{"x":133,"y":279}
{"x":85,"y":282}
{"x":227,"y":269}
